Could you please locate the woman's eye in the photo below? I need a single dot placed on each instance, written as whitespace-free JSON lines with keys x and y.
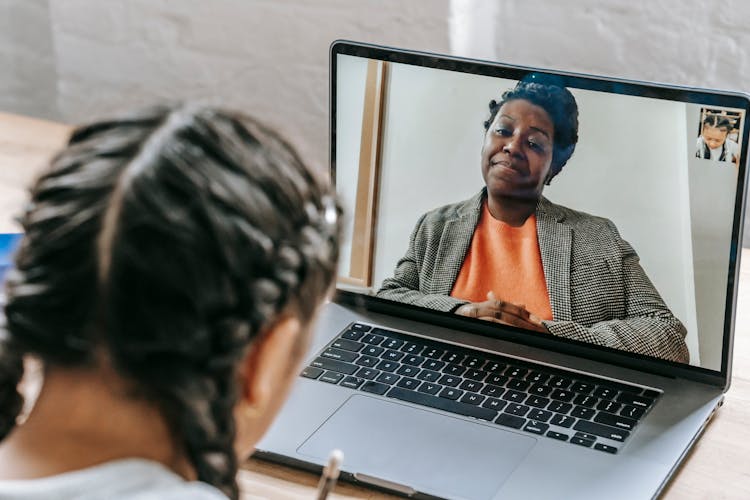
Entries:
{"x":503,"y":132}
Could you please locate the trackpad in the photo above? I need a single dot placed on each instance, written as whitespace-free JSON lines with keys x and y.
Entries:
{"x":427,"y":451}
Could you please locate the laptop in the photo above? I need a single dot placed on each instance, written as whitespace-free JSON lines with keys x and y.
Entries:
{"x":513,"y":320}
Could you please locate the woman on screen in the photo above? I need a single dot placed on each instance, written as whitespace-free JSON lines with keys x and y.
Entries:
{"x":172,"y":264}
{"x":511,"y":256}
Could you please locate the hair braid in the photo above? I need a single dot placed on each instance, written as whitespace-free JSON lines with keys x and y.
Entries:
{"x":11,"y":372}
{"x":170,"y":239}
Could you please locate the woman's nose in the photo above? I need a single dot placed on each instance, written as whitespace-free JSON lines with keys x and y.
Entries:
{"x":512,"y":146}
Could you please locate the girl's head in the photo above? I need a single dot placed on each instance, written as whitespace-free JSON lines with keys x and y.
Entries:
{"x":172,"y":246}
{"x":715,"y":130}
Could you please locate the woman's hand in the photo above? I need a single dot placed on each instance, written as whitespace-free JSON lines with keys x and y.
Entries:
{"x":500,"y":311}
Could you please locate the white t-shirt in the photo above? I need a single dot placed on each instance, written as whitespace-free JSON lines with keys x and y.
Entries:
{"x":130,"y":479}
{"x":731,"y":147}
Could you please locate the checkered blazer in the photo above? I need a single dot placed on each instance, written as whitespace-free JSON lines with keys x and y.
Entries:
{"x":598,"y":291}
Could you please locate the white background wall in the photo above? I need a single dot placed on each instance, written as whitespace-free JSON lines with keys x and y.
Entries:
{"x":72,"y":59}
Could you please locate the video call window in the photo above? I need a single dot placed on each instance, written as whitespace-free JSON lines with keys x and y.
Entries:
{"x":604,"y":229}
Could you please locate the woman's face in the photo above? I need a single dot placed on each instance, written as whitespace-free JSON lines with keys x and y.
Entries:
{"x":517,"y":151}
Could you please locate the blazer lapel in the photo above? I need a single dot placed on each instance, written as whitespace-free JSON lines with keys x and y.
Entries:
{"x":454,"y":243}
{"x":554,"y":245}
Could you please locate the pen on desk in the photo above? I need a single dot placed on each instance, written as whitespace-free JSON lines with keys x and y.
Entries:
{"x":330,"y":474}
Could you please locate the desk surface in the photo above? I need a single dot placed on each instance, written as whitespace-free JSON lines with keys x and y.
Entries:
{"x":715,"y":468}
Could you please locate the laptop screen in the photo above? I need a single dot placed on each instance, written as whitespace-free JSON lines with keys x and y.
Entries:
{"x":591,"y":210}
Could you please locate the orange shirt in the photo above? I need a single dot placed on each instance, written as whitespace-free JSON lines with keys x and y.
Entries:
{"x":505,"y":260}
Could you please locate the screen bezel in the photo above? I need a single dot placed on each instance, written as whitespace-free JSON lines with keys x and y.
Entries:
{"x":660,"y":91}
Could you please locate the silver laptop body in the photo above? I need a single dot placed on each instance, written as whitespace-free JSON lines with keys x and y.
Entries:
{"x":406,"y":135}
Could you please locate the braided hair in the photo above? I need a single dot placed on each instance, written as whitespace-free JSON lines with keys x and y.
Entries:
{"x":168,"y":239}
{"x":550,"y":95}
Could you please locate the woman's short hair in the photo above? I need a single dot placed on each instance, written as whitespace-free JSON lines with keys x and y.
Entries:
{"x":168,"y":240}
{"x":559,"y":104}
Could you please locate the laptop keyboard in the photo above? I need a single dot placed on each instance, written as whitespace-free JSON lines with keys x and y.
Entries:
{"x":562,"y":405}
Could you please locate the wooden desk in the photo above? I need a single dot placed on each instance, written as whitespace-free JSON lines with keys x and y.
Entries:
{"x":716,"y":468}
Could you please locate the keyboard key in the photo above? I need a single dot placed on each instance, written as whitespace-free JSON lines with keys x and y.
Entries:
{"x":632,"y":412}
{"x":514,"y":396}
{"x":615,"y":420}
{"x":450,"y":393}
{"x":387,"y":378}
{"x":605,"y":392}
{"x":428,"y":375}
{"x":560,"y":382}
{"x":387,"y":366}
{"x":518,"y":384}
{"x":347,"y":345}
{"x":337,"y":366}
{"x":408,"y":371}
{"x":540,"y":390}
{"x":431,"y":352}
{"x":516,"y":409}
{"x":540,"y":415}
{"x":471,"y":386}
{"x":383,"y":332}
{"x":449,"y":380}
{"x":585,"y":435}
{"x":413,"y":360}
{"x":494,"y":367}
{"x":582,"y":387}
{"x":412,"y":348}
{"x":632,"y":400}
{"x":559,"y":395}
{"x":609,"y":406}
{"x":375,"y":387}
{"x":409,"y":383}
{"x":372,"y":350}
{"x":557,"y":435}
{"x":453,"y":357}
{"x":584,"y":400}
{"x":560,"y":407}
{"x":433,"y":364}
{"x":494,"y":404}
{"x":311,"y":372}
{"x":492,"y":390}
{"x":352,"y":335}
{"x":442,"y":404}
{"x":352,"y":382}
{"x":536,"y":377}
{"x":651,"y":394}
{"x":429,"y":388}
{"x":582,"y":412}
{"x":393,"y":343}
{"x":368,"y":373}
{"x":373,"y":339}
{"x":604,"y":431}
{"x":580,"y":441}
{"x":473,"y":362}
{"x":453,"y":369}
{"x":472,"y":399}
{"x":359,"y":327}
{"x":392,"y":355}
{"x":562,"y":420}
{"x":510,"y":421}
{"x":537,"y":401}
{"x":476,"y":375}
{"x":516,"y":372}
{"x":496,"y":379}
{"x":367,"y":361}
{"x":605,"y":447}
{"x":536,"y":427}
{"x":339,"y":355}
